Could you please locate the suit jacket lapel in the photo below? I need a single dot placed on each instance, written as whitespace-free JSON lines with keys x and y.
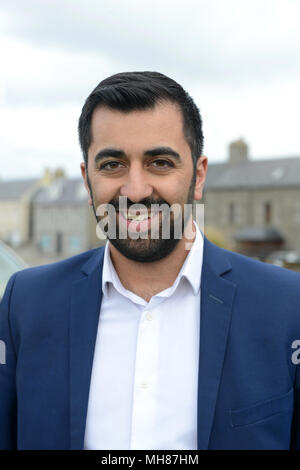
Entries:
{"x":84,"y":316}
{"x":217,"y":295}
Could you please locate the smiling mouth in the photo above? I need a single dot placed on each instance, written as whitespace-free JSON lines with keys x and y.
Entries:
{"x":138,"y":217}
{"x":140,"y":222}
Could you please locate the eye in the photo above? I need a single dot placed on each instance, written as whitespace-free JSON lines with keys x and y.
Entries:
{"x":162,"y":164}
{"x":110,"y":166}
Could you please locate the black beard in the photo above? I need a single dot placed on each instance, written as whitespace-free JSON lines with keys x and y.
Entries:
{"x":149,"y":250}
{"x":146,"y":250}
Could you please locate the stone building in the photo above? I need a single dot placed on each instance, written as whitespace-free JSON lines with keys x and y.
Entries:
{"x":63,"y":222}
{"x":16,"y":210}
{"x":255,"y":204}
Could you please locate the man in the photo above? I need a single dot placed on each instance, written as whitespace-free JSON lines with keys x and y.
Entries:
{"x":151,"y":342}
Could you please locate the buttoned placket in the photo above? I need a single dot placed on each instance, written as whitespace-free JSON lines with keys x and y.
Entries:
{"x":145,"y":380}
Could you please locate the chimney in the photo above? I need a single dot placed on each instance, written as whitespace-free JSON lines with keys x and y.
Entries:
{"x":47,"y":177}
{"x":59,"y":173}
{"x":238,"y":152}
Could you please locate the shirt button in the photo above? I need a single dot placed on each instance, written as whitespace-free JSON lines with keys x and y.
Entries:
{"x":148,"y":316}
{"x":144,"y":384}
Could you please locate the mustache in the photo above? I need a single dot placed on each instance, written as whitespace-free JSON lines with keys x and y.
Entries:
{"x":146,"y":202}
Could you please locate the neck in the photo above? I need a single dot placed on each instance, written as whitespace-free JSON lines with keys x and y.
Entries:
{"x":147,"y":279}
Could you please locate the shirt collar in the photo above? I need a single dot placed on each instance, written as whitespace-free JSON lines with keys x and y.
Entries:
{"x":191,"y":268}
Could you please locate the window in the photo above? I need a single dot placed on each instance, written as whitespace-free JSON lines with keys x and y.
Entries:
{"x":232,"y":213}
{"x":268,"y":212}
{"x":45,"y":243}
{"x":59,"y":241}
{"x":75,"y":243}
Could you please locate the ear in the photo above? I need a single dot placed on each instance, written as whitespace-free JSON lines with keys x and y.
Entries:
{"x":201,"y":170}
{"x":84,"y":176}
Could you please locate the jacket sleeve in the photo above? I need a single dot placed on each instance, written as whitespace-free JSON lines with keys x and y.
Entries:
{"x":8,"y":400}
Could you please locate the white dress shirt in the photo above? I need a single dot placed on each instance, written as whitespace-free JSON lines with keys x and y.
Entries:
{"x":144,"y":383}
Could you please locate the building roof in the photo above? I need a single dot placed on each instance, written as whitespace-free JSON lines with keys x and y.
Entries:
{"x":62,"y":191}
{"x":279,"y":172}
{"x":270,"y":173}
{"x":15,"y":189}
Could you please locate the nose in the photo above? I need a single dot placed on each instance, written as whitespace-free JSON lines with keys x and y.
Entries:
{"x":136,"y":187}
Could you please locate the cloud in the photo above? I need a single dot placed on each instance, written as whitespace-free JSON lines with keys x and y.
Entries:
{"x":34,"y":137}
{"x":33,"y":75}
{"x":238,"y":59}
{"x":230,"y":42}
{"x":267,"y":117}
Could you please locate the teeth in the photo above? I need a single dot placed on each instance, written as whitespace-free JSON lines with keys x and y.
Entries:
{"x":139,"y":217}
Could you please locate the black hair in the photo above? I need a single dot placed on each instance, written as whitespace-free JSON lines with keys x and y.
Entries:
{"x":130,"y":91}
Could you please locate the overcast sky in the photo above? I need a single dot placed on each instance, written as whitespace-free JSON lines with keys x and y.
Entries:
{"x":239,"y":60}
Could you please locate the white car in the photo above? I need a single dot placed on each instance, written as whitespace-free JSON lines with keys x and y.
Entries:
{"x":10,"y":262}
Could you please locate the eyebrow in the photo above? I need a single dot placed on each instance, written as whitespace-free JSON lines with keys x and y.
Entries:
{"x":109,"y":152}
{"x":154,"y":152}
{"x":157,"y":151}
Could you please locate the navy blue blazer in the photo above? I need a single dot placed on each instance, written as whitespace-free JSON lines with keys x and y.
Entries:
{"x":248,"y":385}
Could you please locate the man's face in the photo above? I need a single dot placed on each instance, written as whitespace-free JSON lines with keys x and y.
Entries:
{"x":144,"y":156}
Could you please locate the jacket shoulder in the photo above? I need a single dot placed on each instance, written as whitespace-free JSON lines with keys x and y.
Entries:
{"x":70,"y":268}
{"x":250,"y":266}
